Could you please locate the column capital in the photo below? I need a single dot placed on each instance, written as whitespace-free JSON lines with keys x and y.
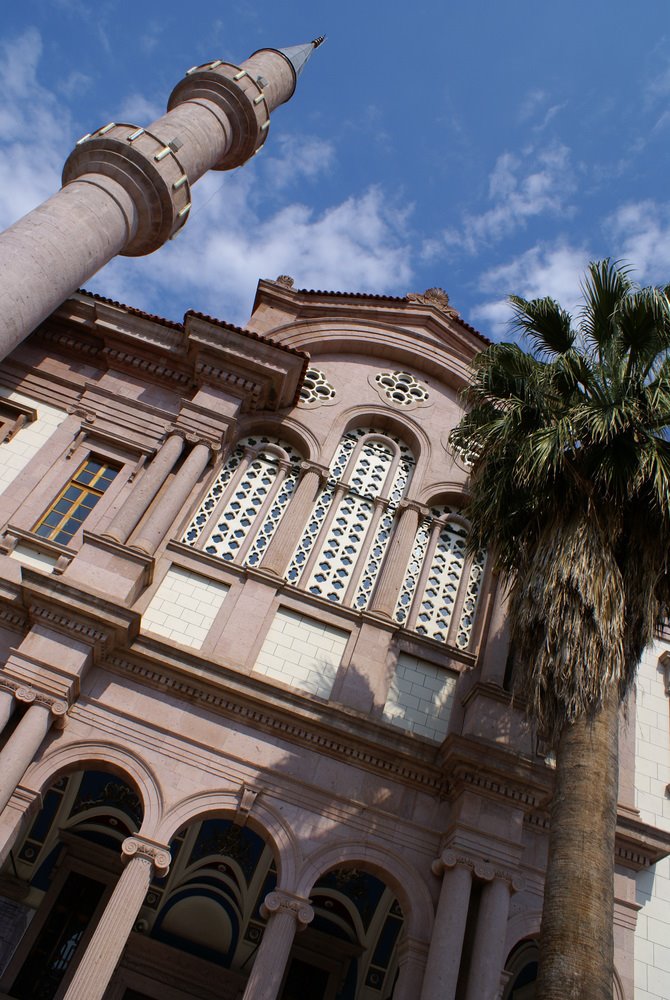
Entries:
{"x":156,"y":854}
{"x":31,"y":696}
{"x":320,"y":470}
{"x":285,"y":902}
{"x":414,"y":505}
{"x":485,"y":871}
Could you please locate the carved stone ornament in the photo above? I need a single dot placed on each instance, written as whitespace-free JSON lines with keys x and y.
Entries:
{"x":156,"y":854}
{"x":286,"y":280}
{"x":436,"y":297}
{"x":485,"y":871}
{"x":248,"y":796}
{"x":30,"y":696}
{"x":282,"y":902}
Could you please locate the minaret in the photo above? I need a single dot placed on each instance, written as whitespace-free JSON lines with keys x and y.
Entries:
{"x":127,"y":189}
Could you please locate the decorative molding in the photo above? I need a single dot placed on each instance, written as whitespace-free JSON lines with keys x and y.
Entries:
{"x":283,"y":902}
{"x":436,"y":297}
{"x":285,"y":280}
{"x":248,"y":796}
{"x":481,"y":869}
{"x":139,"y":847}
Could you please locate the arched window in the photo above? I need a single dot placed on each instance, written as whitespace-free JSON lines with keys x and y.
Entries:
{"x":246,"y":501}
{"x":341,"y":551}
{"x":431,"y":591}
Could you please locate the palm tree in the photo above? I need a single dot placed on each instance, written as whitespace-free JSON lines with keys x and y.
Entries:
{"x":570,"y":487}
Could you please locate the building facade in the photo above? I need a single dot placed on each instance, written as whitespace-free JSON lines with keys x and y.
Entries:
{"x":257,"y":734}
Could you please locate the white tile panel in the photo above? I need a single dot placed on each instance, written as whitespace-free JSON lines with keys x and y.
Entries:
{"x":184,"y":607}
{"x":302,"y":652}
{"x":420,"y":697}
{"x":17,"y":453}
{"x":652,"y":776}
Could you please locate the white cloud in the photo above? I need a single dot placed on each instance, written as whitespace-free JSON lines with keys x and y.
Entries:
{"x":214,"y":266}
{"x":542,"y":270}
{"x":641,"y":234}
{"x":36,"y":130}
{"x":521,"y":187}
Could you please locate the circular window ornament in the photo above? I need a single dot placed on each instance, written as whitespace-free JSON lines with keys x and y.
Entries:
{"x":401,"y":389}
{"x":316,"y":390}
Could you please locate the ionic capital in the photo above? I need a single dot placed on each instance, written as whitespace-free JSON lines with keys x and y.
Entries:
{"x":485,"y":871}
{"x":284,"y":902}
{"x":30,"y":696}
{"x":156,"y":854}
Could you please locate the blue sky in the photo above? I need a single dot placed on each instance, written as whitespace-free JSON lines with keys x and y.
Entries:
{"x":484,"y":147}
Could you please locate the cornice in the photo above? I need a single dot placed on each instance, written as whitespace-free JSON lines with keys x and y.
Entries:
{"x":201,"y":351}
{"x":329,"y":729}
{"x":92,"y":619}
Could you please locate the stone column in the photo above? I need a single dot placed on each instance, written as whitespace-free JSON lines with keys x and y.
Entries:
{"x":411,"y":965}
{"x":488,"y":953}
{"x":6,"y":707}
{"x":143,"y":859}
{"x":146,"y":489}
{"x":444,"y":955}
{"x":289,"y":532}
{"x":286,"y":914}
{"x":26,"y":739}
{"x":16,"y":818}
{"x":386,"y":592}
{"x":161,"y":517}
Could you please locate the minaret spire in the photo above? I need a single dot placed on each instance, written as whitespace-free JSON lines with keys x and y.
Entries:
{"x":127,"y":189}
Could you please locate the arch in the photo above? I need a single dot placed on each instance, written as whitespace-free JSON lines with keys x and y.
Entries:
{"x":432,"y":354}
{"x":296,"y":433}
{"x":381,"y":418}
{"x":410,"y":889}
{"x":523,"y":926}
{"x":449,"y":492}
{"x":80,"y":755}
{"x":263,"y":819}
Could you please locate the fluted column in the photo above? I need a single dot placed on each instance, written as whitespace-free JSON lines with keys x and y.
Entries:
{"x":143,"y":859}
{"x":161,"y":517}
{"x":146,"y":489}
{"x":446,"y":946}
{"x":292,"y":526}
{"x":397,"y":557}
{"x":286,"y":914}
{"x":488,"y":953}
{"x":6,"y":707}
{"x":20,"y":749}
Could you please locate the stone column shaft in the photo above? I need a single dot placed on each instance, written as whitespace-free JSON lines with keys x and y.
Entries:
{"x":397,"y":556}
{"x":6,"y":707}
{"x":105,"y":948}
{"x":285,"y":915}
{"x":146,"y":489}
{"x":444,"y":955}
{"x":488,"y":956}
{"x":56,"y":248}
{"x":161,"y":517}
{"x":291,"y":527}
{"x":21,"y":748}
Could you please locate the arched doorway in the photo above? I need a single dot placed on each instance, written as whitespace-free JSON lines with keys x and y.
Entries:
{"x":58,"y":879}
{"x":521,"y":966}
{"x":349,"y":951}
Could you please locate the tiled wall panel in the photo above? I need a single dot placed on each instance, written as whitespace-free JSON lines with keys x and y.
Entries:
{"x":16,"y":454}
{"x":184,"y":607}
{"x":302,"y":652}
{"x":420,"y":697}
{"x":652,"y":776}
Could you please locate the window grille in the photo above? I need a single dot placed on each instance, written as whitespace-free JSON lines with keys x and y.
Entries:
{"x":76,"y":501}
{"x":368,"y":466}
{"x":434,"y":577}
{"x":247,"y":501}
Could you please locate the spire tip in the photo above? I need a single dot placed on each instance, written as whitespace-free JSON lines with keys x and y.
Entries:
{"x":318,"y":41}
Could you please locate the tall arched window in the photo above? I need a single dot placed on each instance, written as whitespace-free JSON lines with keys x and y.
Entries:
{"x":246,"y":501}
{"x":432,"y":588}
{"x":341,"y":551}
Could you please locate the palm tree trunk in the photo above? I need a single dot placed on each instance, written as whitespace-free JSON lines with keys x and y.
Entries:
{"x":576,"y":939}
